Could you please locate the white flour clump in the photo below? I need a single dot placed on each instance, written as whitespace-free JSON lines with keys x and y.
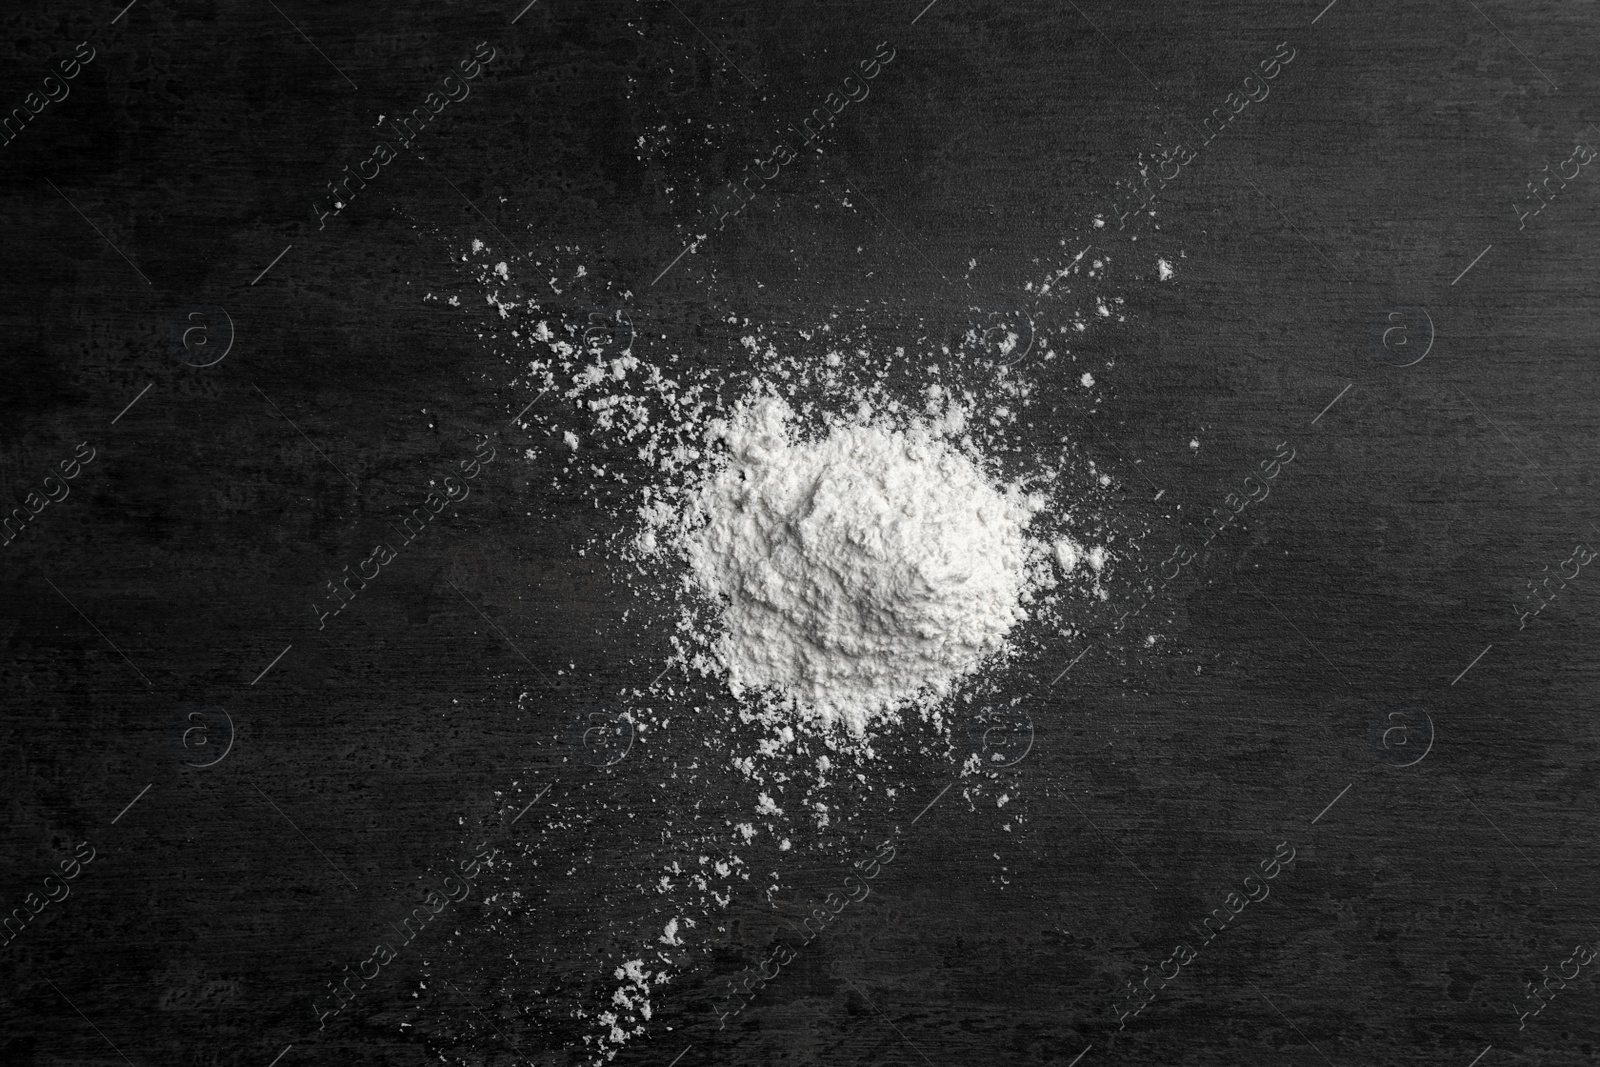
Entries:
{"x":856,"y":572}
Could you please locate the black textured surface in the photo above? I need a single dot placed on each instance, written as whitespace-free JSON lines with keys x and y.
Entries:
{"x":1363,"y":612}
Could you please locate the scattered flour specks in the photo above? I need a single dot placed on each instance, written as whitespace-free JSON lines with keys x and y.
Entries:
{"x":845,"y":541}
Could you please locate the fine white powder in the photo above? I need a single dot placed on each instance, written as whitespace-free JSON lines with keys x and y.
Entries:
{"x":836,"y":571}
{"x":858,"y":572}
{"x":1068,"y":552}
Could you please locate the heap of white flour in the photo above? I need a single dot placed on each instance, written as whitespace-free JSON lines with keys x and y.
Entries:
{"x":856,"y":572}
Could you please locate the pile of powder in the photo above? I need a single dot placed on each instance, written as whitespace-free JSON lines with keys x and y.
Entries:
{"x":849,"y":568}
{"x":857,"y":572}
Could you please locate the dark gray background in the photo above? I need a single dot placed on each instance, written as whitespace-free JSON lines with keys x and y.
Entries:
{"x":377,"y":752}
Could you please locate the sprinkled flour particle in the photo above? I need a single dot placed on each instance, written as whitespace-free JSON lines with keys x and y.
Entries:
{"x":1163,"y":269}
{"x":1087,"y":380}
{"x":571,"y":439}
{"x":1067,"y":555}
